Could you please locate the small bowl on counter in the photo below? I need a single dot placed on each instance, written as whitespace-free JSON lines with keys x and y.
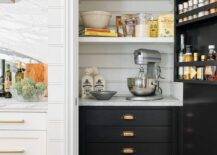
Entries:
{"x":103,"y":95}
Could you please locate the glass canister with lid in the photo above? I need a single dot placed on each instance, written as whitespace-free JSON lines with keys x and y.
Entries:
{"x":141,"y":25}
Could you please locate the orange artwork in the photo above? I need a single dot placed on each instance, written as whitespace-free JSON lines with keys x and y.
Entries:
{"x":37,"y":72}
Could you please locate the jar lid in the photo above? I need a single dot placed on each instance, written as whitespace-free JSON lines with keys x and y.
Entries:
{"x":185,"y":5}
{"x":190,"y":3}
{"x":180,"y":6}
{"x":201,"y":1}
{"x":195,"y":1}
{"x":211,"y":46}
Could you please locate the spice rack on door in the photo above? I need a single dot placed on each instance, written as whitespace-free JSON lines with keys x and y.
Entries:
{"x":199,"y":33}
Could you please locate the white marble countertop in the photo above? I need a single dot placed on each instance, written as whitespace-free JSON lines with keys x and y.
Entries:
{"x":12,"y":105}
{"x":121,"y":101}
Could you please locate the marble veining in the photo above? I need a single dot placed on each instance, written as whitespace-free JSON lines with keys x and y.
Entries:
{"x":121,"y":101}
{"x":12,"y":105}
{"x":24,"y":27}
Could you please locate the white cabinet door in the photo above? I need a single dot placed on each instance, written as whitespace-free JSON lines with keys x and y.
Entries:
{"x":22,"y":143}
{"x":23,"y":121}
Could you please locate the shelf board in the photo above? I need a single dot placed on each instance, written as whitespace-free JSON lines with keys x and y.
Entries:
{"x":195,"y":11}
{"x":123,"y":40}
{"x":198,"y":63}
{"x":193,"y":21}
{"x":197,"y":81}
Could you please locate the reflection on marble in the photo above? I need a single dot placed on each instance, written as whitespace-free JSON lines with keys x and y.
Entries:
{"x":23,"y":27}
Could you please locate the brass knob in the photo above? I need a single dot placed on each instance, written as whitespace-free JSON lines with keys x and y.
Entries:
{"x":128,"y":117}
{"x":128,"y":150}
{"x":128,"y":134}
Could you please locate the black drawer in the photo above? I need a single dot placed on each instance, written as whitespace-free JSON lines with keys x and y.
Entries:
{"x":128,"y":134}
{"x":127,"y":148}
{"x":125,"y":117}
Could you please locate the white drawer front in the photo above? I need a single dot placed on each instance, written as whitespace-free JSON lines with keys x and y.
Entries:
{"x":22,"y":143}
{"x":23,"y":121}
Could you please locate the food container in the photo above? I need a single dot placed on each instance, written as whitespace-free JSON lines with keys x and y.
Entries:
{"x":96,"y":19}
{"x":141,"y":25}
{"x":129,"y":25}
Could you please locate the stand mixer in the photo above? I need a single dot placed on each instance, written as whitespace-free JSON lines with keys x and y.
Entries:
{"x":145,"y":86}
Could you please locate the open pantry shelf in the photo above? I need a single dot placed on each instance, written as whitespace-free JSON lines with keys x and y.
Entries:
{"x":123,"y":40}
{"x":198,"y":81}
{"x":200,"y":19}
{"x":195,"y":11}
{"x":197,"y":64}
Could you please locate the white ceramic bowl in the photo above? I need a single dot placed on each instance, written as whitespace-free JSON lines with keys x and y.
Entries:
{"x":96,"y":19}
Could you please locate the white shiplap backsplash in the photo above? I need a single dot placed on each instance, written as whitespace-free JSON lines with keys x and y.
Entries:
{"x":116,"y":63}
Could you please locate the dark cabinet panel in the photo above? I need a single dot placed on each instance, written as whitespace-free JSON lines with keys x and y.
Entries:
{"x":128,"y":130}
{"x":129,"y":134}
{"x":118,"y":117}
{"x":129,"y":148}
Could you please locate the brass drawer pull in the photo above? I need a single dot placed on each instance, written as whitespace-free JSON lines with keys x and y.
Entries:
{"x":128,"y":117}
{"x":13,"y":151}
{"x":128,"y":134}
{"x":128,"y":150}
{"x":21,"y":121}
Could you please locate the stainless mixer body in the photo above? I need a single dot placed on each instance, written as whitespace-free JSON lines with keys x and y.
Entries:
{"x":147,"y":82}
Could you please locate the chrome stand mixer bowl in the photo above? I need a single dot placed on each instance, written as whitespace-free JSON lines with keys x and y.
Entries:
{"x":146,"y":83}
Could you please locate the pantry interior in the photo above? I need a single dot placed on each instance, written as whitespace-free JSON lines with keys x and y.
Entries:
{"x":114,"y":55}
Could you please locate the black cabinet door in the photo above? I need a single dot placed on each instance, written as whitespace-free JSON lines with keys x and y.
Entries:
{"x":129,"y":149}
{"x":118,"y":117}
{"x":200,"y":120}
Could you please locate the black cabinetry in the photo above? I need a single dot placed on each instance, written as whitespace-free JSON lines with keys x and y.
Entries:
{"x":128,"y":130}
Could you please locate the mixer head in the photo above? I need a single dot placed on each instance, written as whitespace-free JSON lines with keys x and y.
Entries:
{"x":145,"y":56}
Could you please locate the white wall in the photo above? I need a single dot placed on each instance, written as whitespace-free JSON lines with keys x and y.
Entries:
{"x":37,"y":28}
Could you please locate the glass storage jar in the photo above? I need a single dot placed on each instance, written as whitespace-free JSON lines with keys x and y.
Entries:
{"x":153,"y":26}
{"x":195,"y":4}
{"x":141,"y":25}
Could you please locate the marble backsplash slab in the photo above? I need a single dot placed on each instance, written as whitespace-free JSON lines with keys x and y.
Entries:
{"x":24,"y":27}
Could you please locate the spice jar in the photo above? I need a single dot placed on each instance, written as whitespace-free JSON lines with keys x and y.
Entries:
{"x":185,"y":19}
{"x":210,"y":72}
{"x":206,"y":2}
{"x":213,"y":1}
{"x":200,"y":73}
{"x":188,"y":55}
{"x":212,"y":10}
{"x":206,"y":13}
{"x":185,"y":6}
{"x":195,"y":4}
{"x":193,"y":72}
{"x":201,"y":13}
{"x":153,"y":26}
{"x":203,"y":58}
{"x":201,"y":3}
{"x":190,"y":5}
{"x":190,"y":17}
{"x":140,"y":28}
{"x":195,"y":56}
{"x":180,"y":8}
{"x":195,"y":16}
{"x":181,"y":73}
{"x":187,"y":73}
